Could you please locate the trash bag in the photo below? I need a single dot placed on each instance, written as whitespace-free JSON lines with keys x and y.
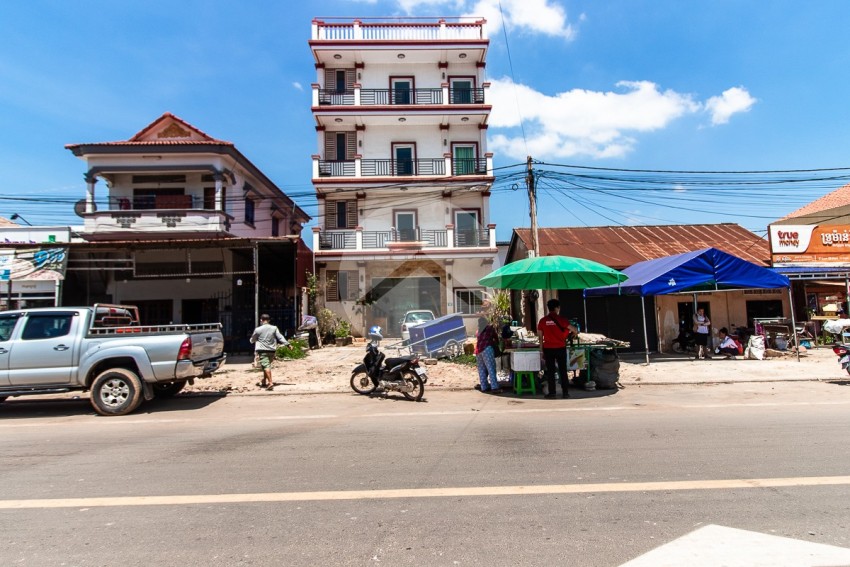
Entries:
{"x":605,"y":368}
{"x":755,"y":348}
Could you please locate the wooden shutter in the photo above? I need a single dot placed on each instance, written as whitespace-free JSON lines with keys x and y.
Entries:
{"x":331,"y":289}
{"x":353,"y":288}
{"x":330,"y":214}
{"x":351,"y":214}
{"x":350,"y":145}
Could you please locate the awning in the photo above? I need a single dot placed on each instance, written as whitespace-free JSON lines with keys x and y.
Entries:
{"x":700,"y":270}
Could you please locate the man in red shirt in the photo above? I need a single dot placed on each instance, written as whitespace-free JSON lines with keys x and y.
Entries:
{"x":554,"y":331}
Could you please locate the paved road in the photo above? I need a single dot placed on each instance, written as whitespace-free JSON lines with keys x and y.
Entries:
{"x":463,"y":479}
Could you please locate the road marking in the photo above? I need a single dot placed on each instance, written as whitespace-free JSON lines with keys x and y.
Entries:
{"x":719,"y":545}
{"x":447,"y":492}
{"x":100,"y":422}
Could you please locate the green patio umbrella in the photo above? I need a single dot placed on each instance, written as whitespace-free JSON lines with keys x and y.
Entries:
{"x":552,"y":272}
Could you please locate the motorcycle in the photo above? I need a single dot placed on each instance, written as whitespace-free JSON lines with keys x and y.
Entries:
{"x":379,"y":373}
{"x":843,"y":353}
{"x":685,"y":342}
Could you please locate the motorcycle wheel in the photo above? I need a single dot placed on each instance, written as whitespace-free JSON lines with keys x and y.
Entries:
{"x":361,"y":383}
{"x":418,"y":387}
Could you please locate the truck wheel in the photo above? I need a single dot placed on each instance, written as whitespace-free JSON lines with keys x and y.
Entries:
{"x":168,"y":389}
{"x":116,"y":391}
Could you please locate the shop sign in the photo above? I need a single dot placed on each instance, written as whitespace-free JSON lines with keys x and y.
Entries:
{"x":821,"y":245}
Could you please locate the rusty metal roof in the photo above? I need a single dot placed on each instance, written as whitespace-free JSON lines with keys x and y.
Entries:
{"x":621,"y":246}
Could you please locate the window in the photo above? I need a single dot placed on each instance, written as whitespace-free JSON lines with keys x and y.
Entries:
{"x":7,"y":325}
{"x":161,"y":199}
{"x":249,"y":211}
{"x":468,"y":301}
{"x":47,"y":326}
{"x":341,"y":285}
{"x":275,"y":226}
{"x":340,"y":214}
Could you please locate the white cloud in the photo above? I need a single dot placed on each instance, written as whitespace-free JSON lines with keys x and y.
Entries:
{"x":581,"y":122}
{"x":298,"y":86}
{"x":732,"y":101}
{"x":539,"y":16}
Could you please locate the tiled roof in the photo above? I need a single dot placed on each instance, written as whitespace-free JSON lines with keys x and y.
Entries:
{"x":838,"y":198}
{"x":184,"y":135}
{"x":621,"y":246}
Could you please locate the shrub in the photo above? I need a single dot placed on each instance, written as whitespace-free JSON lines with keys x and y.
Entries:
{"x":343,"y":329}
{"x":464,"y":359}
{"x":297,"y":349}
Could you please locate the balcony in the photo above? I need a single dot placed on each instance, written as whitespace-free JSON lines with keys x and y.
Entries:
{"x":395,"y":97}
{"x":424,"y":167}
{"x":401,"y":239}
{"x":154,"y":215}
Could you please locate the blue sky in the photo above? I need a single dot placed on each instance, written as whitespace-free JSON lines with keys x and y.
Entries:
{"x":707,"y":85}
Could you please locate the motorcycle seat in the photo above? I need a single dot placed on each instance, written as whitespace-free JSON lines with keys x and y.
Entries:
{"x":392,"y":362}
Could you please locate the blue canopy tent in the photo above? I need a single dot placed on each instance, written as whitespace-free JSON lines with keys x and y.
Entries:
{"x":708,"y":269}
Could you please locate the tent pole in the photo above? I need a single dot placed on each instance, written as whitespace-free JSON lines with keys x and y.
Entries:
{"x":645,"y":339}
{"x":793,"y":323}
{"x":584,"y":301}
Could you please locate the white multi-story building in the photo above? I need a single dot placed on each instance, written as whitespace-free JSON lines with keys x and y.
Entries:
{"x":402,"y":173}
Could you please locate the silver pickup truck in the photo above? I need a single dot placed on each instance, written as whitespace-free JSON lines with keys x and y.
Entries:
{"x":104,"y":349}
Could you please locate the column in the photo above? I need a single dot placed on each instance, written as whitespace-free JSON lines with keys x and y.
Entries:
{"x":90,"y":182}
{"x":218,"y":177}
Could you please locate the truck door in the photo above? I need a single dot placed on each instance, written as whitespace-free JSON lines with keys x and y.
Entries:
{"x":44,"y":351}
{"x":7,"y":327}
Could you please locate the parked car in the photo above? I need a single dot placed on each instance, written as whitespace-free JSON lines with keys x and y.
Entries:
{"x":104,"y":349}
{"x":412,"y":318}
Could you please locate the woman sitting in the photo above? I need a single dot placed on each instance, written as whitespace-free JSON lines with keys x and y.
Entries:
{"x":728,"y":346}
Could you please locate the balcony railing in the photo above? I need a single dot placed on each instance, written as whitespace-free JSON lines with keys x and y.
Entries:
{"x":359,"y":167}
{"x":466,"y":96}
{"x":469,"y":166}
{"x":337,"y":240}
{"x":336,"y":168}
{"x":390,"y":167}
{"x":389,"y":97}
{"x":357,"y":239}
{"x":398,"y":30}
{"x":471,"y":238}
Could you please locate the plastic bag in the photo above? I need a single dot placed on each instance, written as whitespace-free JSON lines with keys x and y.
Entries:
{"x":755,"y":348}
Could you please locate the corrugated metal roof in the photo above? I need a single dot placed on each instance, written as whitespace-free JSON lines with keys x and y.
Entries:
{"x":621,"y":246}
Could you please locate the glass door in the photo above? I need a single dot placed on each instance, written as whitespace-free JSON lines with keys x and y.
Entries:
{"x":402,"y":91}
{"x":466,"y":228}
{"x":405,"y":224}
{"x":403,"y":160}
{"x":461,"y":91}
{"x":464,"y":160}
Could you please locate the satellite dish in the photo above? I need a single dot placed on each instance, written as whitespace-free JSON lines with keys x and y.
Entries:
{"x":80,"y":207}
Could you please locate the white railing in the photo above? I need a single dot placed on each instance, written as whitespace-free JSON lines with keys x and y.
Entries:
{"x":398,"y":30}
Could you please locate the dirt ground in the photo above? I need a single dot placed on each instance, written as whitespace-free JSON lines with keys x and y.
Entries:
{"x":329,"y":370}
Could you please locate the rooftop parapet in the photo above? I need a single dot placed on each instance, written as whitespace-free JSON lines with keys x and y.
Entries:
{"x":398,"y":29}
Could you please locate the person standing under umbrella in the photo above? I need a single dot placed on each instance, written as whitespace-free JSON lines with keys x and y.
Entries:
{"x":554,"y":331}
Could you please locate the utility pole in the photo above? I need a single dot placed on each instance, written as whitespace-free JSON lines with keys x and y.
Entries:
{"x":532,"y":205}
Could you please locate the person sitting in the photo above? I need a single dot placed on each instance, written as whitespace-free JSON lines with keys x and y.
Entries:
{"x":728,"y":346}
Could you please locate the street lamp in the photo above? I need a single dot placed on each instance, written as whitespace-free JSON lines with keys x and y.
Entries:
{"x":16,"y":216}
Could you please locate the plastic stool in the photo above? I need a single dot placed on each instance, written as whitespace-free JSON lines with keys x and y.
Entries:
{"x":520,"y":379}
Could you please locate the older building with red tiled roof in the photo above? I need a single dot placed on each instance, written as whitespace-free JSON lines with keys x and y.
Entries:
{"x":832,"y":208}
